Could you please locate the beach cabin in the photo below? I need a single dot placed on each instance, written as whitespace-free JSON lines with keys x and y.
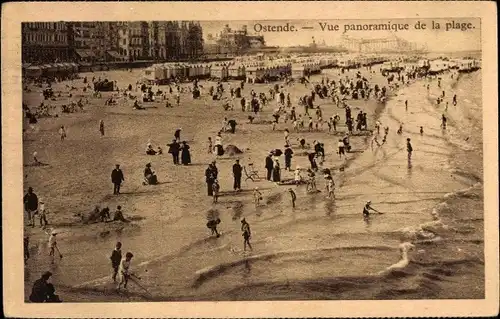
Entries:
{"x":255,"y":74}
{"x":298,"y":71}
{"x":236,"y":71}
{"x":423,"y":63}
{"x":391,"y":66}
{"x":32,"y":71}
{"x":468,"y":65}
{"x":345,"y":63}
{"x":219,"y":72}
{"x":438,"y":66}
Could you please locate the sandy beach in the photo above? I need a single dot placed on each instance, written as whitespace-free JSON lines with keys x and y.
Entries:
{"x":322,"y":249}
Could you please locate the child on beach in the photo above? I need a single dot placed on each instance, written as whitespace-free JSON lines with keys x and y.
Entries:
{"x":215,"y":191}
{"x":62,"y":132}
{"x":42,"y":211}
{"x":331,"y":188}
{"x":257,"y":197}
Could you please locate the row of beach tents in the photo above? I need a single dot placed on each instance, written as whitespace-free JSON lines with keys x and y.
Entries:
{"x":254,"y":69}
{"x":53,"y":69}
{"x":442,"y":65}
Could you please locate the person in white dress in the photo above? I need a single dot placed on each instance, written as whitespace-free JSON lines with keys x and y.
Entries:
{"x":124,"y":271}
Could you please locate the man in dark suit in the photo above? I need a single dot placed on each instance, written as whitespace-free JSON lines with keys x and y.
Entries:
{"x":174,"y":149}
{"x":269,"y":166}
{"x":237,"y":169}
{"x":117,"y":179}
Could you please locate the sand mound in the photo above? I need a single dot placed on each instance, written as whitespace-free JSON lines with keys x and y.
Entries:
{"x":232,"y":150}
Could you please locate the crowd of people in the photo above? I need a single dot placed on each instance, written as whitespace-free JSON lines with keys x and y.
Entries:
{"x":285,"y":113}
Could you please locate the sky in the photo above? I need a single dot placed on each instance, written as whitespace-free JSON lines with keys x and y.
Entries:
{"x":435,"y":39}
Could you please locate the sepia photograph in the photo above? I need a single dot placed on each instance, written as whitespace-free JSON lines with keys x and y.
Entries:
{"x":290,"y":159}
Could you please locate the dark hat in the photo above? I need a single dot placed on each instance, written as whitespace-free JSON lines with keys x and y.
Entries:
{"x":129,"y":255}
{"x":46,"y":274}
{"x":117,"y":165}
{"x":148,"y":165}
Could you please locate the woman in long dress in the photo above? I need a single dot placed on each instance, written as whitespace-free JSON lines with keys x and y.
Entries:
{"x":185,"y":154}
{"x":276,"y":172}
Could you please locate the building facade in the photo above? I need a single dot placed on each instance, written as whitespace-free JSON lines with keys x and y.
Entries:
{"x":233,"y":42}
{"x":133,"y":40}
{"x":45,"y":42}
{"x":98,"y":41}
{"x":175,"y":40}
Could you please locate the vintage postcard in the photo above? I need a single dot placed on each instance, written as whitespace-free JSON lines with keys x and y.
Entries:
{"x":225,"y":159}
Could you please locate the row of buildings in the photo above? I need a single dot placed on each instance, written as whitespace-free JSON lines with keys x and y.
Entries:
{"x":45,"y":42}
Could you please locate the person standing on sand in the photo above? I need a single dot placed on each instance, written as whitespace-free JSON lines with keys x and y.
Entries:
{"x":293,"y":197}
{"x":116,"y":257}
{"x":124,"y":270}
{"x":185,"y":154}
{"x":177,"y":135}
{"x":257,"y":196}
{"x":288,"y":157}
{"x":101,"y":127}
{"x":269,"y":166}
{"x":406,"y":105}
{"x":26,"y":244}
{"x":209,"y":179}
{"x":210,"y":146}
{"x":31,"y":205}
{"x":215,"y":191}
{"x":42,"y":211}
{"x":409,"y":149}
{"x":237,"y":170}
{"x":455,"y":100}
{"x":443,"y":122}
{"x":276,"y":172}
{"x":421,"y":130}
{"x":117,"y":179}
{"x":62,"y":132}
{"x":245,"y":228}
{"x":174,"y":149}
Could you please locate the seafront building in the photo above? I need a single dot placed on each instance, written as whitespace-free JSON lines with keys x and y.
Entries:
{"x":98,"y":41}
{"x":45,"y":42}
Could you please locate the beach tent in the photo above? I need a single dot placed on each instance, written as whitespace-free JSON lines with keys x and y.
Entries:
{"x":33,"y":71}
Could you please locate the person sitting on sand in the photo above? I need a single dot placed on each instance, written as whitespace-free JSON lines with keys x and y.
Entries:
{"x":150,"y":150}
{"x":149,"y":176}
{"x":159,"y":151}
{"x":104,"y":214}
{"x":118,"y":216}
{"x":137,"y":106}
